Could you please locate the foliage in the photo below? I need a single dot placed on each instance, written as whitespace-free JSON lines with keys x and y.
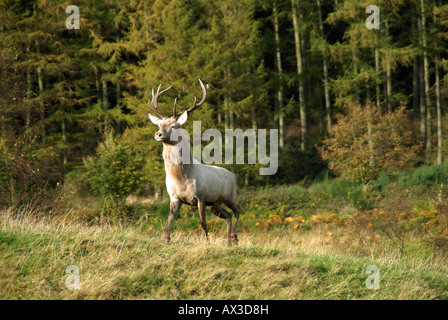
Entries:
{"x":116,"y":170}
{"x":27,"y":174}
{"x":365,"y":142}
{"x":63,"y":87}
{"x":74,"y":132}
{"x":425,"y":176}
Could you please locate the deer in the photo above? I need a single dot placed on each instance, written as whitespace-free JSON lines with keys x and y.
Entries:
{"x":191,"y":182}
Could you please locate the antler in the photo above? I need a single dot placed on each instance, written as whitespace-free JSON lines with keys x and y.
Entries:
{"x":153,"y":103}
{"x":195,"y":105}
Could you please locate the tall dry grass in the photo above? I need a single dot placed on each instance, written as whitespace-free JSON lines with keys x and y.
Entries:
{"x":117,"y":262}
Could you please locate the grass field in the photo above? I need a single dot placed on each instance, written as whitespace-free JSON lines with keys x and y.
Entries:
{"x":130,"y":261}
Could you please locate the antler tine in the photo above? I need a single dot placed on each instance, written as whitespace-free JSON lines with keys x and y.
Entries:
{"x":153,"y":104}
{"x":195,"y":105}
{"x":174,"y":109}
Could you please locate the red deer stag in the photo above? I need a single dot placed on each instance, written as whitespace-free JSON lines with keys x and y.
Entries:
{"x":191,"y":182}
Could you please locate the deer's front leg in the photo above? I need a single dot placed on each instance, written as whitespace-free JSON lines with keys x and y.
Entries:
{"x":201,"y":207}
{"x":174,"y":207}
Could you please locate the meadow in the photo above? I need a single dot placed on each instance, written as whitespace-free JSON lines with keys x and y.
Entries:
{"x":301,"y":241}
{"x":361,"y":118}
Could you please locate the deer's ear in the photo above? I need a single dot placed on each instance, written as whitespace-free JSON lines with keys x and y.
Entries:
{"x":183,"y":118}
{"x":154,"y":119}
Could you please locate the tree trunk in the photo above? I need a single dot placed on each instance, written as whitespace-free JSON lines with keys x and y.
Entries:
{"x":64,"y":140}
{"x":118,"y":92}
{"x":438,"y":103}
{"x":12,"y":189}
{"x":254,"y":119}
{"x":158,"y":195}
{"x":325,"y":68}
{"x":146,"y":21}
{"x":40,"y":84}
{"x":301,"y":89}
{"x":377,"y":73}
{"x":278,"y":63}
{"x":40,"y":81}
{"x":229,"y":116}
{"x":388,"y":86}
{"x":318,"y":93}
{"x":415,"y":87}
{"x":426,"y":84}
{"x":28,"y":97}
{"x":388,"y":83}
{"x":97,"y":85}
{"x":105,"y":104}
{"x":226,"y":113}
{"x":422,"y":91}
{"x":355,"y":72}
{"x":415,"y":76}
{"x":439,"y":114}
{"x":369,"y":132}
{"x":120,"y":124}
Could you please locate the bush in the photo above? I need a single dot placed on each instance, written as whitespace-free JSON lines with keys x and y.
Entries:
{"x":366,"y":142}
{"x":115,"y":171}
{"x":27,"y":174}
{"x":426,"y":176}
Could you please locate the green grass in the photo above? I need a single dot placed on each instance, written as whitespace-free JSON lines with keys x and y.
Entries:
{"x":425,"y":175}
{"x":294,"y":244}
{"x":127,"y":262}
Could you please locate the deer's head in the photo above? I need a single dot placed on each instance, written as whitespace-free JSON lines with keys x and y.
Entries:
{"x":168,"y":124}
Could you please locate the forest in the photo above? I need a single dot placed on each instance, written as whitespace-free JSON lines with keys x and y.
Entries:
{"x":295,"y":66}
{"x":356,"y":91}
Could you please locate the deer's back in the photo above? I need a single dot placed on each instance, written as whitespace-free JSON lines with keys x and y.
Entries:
{"x":211,"y":183}
{"x":215,"y":184}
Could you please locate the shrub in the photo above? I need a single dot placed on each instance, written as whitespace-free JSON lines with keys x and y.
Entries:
{"x":366,"y":142}
{"x":116,"y":170}
{"x":27,"y":174}
{"x":426,"y":176}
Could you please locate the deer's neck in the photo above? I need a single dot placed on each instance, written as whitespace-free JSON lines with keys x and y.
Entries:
{"x":178,"y":160}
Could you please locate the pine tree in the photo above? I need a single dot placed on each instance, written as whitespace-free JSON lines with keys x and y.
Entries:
{"x":300,"y":73}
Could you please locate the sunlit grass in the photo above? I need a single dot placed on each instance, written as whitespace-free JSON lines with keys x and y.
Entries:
{"x":127,"y":262}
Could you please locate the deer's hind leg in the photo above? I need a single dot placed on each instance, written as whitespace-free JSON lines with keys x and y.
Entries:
{"x":201,"y":208}
{"x":220,"y":212}
{"x":174,"y":207}
{"x":236,"y":212}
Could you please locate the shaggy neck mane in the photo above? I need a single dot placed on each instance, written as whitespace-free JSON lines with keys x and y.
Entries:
{"x":173,"y":163}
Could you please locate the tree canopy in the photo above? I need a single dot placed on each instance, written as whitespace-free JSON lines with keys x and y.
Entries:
{"x":298,"y":66}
